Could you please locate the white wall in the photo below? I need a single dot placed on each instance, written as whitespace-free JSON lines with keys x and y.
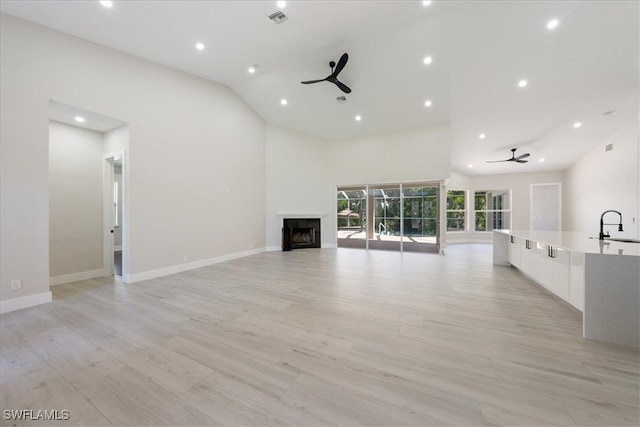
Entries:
{"x":75,"y":200}
{"x":605,"y":180}
{"x":116,"y":140}
{"x":212,"y":204}
{"x":415,"y":155}
{"x":303,"y":172}
{"x":520,"y":185}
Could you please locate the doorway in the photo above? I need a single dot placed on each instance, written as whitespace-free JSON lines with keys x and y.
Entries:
{"x":546,"y":207}
{"x":79,"y":184}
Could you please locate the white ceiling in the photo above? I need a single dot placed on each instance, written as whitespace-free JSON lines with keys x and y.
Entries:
{"x":481,"y":49}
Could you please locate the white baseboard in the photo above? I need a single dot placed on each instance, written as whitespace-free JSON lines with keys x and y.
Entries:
{"x":75,"y":277}
{"x":273,"y":248}
{"x":25,"y":302}
{"x":152,"y":274}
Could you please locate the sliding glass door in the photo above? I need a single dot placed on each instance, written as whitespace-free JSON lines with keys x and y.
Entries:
{"x":352,"y":217}
{"x":397,"y":217}
{"x":420,"y":219}
{"x":385,"y":204}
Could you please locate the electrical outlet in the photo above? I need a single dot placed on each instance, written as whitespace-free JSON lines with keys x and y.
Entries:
{"x":185,"y":258}
{"x":16,"y":284}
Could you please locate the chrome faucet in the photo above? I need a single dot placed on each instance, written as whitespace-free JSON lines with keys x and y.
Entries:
{"x":602,"y":224}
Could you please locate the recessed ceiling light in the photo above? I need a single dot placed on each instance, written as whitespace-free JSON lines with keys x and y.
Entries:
{"x":79,"y":119}
{"x":469,"y":165}
{"x":523,"y":83}
{"x":553,"y":24}
{"x":541,"y":160}
{"x":482,"y":136}
{"x":427,"y":60}
{"x":281,"y":4}
{"x":252,"y":69}
{"x":358,"y":118}
{"x":428,"y":103}
{"x":577,"y":125}
{"x":426,"y":3}
{"x":200,"y":46}
{"x":106,"y":3}
{"x":283,"y":101}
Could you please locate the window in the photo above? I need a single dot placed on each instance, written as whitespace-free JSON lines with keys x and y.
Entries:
{"x":492,"y":210}
{"x":456,"y":205}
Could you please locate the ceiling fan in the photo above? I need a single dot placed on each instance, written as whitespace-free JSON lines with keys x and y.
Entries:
{"x":513,"y":158}
{"x":333,"y":77}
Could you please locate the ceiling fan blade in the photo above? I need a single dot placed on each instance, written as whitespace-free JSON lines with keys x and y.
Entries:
{"x":342,"y":86}
{"x":513,"y":158}
{"x":341,"y":63}
{"x":308,"y":82}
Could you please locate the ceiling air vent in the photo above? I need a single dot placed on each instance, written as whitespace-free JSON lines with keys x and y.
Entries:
{"x":278,"y":17}
{"x":608,"y":147}
{"x":341,"y":99}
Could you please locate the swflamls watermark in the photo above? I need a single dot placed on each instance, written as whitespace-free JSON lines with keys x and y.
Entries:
{"x":36,"y":414}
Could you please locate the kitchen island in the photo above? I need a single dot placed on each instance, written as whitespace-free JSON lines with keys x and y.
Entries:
{"x":599,"y":278}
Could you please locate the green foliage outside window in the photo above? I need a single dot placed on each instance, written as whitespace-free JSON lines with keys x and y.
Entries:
{"x":352,"y":208}
{"x":456,"y":210}
{"x":420,"y":211}
{"x":491,"y":210}
{"x":418,"y":205}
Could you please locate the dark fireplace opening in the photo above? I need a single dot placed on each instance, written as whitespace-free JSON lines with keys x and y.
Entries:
{"x":299,"y":233}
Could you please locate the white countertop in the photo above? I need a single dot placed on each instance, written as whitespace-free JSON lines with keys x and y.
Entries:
{"x":576,"y":241}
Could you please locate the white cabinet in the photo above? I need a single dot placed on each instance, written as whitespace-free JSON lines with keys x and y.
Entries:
{"x":576,"y":280}
{"x":560,"y":271}
{"x":515,"y":251}
{"x":553,"y":269}
{"x":530,"y":258}
{"x":559,"y":283}
{"x":545,"y":266}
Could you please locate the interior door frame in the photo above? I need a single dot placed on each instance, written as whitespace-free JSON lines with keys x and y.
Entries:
{"x":107,"y":212}
{"x":556,"y":184}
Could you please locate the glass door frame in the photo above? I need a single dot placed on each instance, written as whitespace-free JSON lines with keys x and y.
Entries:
{"x":370,"y":220}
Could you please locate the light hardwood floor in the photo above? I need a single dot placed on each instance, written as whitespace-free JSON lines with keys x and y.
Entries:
{"x":317,"y":337}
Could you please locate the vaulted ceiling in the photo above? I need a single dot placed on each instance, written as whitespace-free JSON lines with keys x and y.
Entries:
{"x":585,"y":70}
